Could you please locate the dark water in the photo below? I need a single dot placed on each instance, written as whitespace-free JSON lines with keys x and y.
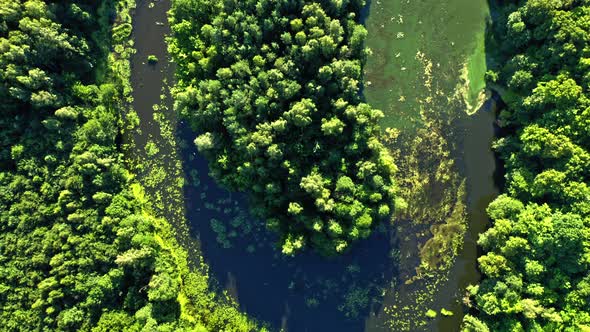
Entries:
{"x":150,"y":25}
{"x":273,"y":288}
{"x":308,"y":292}
{"x":479,"y":169}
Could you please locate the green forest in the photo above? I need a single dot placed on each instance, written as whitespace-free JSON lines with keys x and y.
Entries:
{"x":536,"y":265}
{"x":79,"y":250}
{"x":281,"y":116}
{"x":273,"y":93}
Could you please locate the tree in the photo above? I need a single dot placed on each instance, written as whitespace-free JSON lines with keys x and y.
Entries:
{"x":277,"y":107}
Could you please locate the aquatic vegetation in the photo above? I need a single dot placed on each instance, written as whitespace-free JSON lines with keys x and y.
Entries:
{"x":446,"y":312}
{"x":152,"y":59}
{"x":221,"y":231}
{"x":439,"y":251}
{"x":431,"y":313}
{"x":237,"y":226}
{"x":355,"y":300}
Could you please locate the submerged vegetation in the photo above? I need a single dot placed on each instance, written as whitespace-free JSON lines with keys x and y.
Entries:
{"x":273,"y":89}
{"x":431,"y":229}
{"x":536,"y":265}
{"x":79,"y":248}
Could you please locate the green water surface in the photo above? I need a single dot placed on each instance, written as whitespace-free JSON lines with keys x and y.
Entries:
{"x":427,"y":71}
{"x":449,"y":33}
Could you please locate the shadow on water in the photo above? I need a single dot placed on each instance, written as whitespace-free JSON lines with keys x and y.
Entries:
{"x":493,"y":61}
{"x":304,"y":293}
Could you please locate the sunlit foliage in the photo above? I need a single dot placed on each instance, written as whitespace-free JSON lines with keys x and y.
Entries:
{"x":536,"y":264}
{"x":272,"y":88}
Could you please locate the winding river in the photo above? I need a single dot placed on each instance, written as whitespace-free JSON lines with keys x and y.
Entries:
{"x":356,"y":291}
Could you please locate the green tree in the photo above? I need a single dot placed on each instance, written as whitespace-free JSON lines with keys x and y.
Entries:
{"x":277,"y":107}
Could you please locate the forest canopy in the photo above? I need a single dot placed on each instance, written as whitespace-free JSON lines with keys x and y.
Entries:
{"x":273,"y":89}
{"x":536,"y":265}
{"x":79,"y":251}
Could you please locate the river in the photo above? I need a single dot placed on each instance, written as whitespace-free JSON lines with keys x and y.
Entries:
{"x":426,"y":74}
{"x":310,"y":293}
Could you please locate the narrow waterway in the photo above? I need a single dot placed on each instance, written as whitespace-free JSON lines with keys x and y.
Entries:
{"x":478,"y":166}
{"x":426,"y":74}
{"x":307,"y":293}
{"x":150,"y":27}
{"x":479,"y":169}
{"x":152,"y":146}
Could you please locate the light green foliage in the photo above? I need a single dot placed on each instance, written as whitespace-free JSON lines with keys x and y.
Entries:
{"x":536,"y":265}
{"x":204,"y":142}
{"x":151,"y":149}
{"x":332,"y":127}
{"x":472,"y":324}
{"x":152,"y":59}
{"x":277,"y":107}
{"x":446,"y":313}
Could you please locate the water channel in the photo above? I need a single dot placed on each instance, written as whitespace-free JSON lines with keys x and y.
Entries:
{"x":353,"y":292}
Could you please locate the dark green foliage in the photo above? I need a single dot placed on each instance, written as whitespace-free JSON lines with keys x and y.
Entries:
{"x":537,"y":263}
{"x":77,"y":249}
{"x":273,"y":89}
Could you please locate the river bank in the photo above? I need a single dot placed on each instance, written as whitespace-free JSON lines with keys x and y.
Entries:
{"x":426,"y":73}
{"x":362,"y":289}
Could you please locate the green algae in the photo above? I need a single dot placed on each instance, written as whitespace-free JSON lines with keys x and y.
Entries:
{"x":451,"y":33}
{"x":426,"y":73}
